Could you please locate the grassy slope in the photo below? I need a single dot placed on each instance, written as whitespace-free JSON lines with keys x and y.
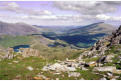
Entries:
{"x":11,"y":71}
{"x":19,"y":71}
{"x":10,"y":41}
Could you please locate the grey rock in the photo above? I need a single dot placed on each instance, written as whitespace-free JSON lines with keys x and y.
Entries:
{"x":103,"y":78}
{"x":58,"y":67}
{"x":105,"y":68}
{"x":73,"y":74}
{"x":83,"y":68}
{"x":30,"y":68}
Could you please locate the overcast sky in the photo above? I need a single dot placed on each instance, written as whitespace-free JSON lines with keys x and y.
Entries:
{"x":60,"y":12}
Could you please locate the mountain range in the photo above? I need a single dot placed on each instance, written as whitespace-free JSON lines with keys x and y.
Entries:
{"x":17,"y":29}
{"x":94,"y":28}
{"x":79,"y":36}
{"x":82,"y":36}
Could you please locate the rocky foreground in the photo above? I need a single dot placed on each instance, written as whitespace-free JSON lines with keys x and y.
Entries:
{"x":104,"y":56}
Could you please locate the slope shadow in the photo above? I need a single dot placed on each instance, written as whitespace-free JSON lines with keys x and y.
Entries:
{"x":82,"y":41}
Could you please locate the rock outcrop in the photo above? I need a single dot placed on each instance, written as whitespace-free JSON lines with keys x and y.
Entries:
{"x":103,"y":44}
{"x":27,"y":52}
{"x":9,"y":54}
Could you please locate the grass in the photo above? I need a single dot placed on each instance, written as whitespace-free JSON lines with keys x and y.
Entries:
{"x":89,"y":75}
{"x":10,"y":41}
{"x":91,"y":59}
{"x":57,"y":53}
{"x":10,"y":71}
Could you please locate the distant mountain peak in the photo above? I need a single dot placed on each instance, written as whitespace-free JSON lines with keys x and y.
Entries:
{"x":16,"y":29}
{"x":94,"y":28}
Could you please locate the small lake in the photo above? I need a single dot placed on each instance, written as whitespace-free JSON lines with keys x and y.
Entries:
{"x":16,"y":48}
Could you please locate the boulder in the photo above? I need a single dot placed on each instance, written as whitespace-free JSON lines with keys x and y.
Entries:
{"x":93,"y":63}
{"x":40,"y":77}
{"x":109,"y":58}
{"x":102,"y":59}
{"x":73,"y":74}
{"x":30,"y":68}
{"x":105,"y":68}
{"x":83,"y":68}
{"x":58,"y":67}
{"x":45,"y":68}
{"x":27,"y":52}
{"x":15,"y":61}
{"x":103,"y":78}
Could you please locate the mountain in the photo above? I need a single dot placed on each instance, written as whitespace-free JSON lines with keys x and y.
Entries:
{"x":17,"y":29}
{"x":110,"y":43}
{"x":94,"y":28}
{"x":100,"y":62}
{"x":55,"y":29}
{"x":83,"y":36}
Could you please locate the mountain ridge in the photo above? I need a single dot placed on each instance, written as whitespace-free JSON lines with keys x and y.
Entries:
{"x":104,"y":44}
{"x":94,"y":28}
{"x":16,"y":29}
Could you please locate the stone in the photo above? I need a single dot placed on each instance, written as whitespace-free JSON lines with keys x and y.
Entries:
{"x":83,"y":68}
{"x":57,"y":73}
{"x":57,"y":78}
{"x":93,"y":63}
{"x":44,"y":77}
{"x":40,"y":77}
{"x":105,"y":68}
{"x":58,"y":67}
{"x":117,"y":71}
{"x":9,"y":63}
{"x":109,"y":58}
{"x":15,"y":61}
{"x":82,"y":79}
{"x":45,"y":68}
{"x":102,"y":59}
{"x":30,"y":68}
{"x":73,"y":74}
{"x":18,"y":77}
{"x":71,"y":69}
{"x":27,"y":52}
{"x":110,"y":74}
{"x":37,"y":78}
{"x":103,"y":78}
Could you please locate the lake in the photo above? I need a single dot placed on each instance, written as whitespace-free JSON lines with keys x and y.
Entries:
{"x":16,"y":48}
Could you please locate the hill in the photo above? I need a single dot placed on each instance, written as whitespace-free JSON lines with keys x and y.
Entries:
{"x":100,"y":62}
{"x":17,"y":29}
{"x":83,"y":36}
{"x":94,"y":28}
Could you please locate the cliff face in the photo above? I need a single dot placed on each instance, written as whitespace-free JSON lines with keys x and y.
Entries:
{"x":104,"y":44}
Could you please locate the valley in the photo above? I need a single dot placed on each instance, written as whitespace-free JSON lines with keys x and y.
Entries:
{"x":60,"y":40}
{"x":47,"y":55}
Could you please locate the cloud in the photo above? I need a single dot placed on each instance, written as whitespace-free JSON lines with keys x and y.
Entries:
{"x":109,"y":18}
{"x":14,"y":7}
{"x":103,"y":17}
{"x":88,"y":8}
{"x":87,"y":12}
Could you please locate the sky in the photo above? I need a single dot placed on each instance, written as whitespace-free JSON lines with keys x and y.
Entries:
{"x":61,"y":13}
